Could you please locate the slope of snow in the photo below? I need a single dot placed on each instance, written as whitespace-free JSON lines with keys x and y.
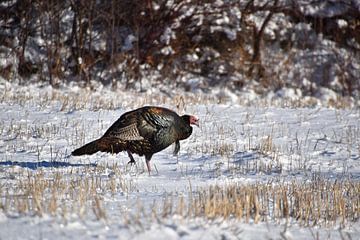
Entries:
{"x":37,"y":135}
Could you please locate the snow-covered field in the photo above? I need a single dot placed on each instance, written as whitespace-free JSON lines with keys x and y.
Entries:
{"x":47,"y":194}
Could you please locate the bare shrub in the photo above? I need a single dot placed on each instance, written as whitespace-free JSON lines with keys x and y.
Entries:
{"x":139,"y":44}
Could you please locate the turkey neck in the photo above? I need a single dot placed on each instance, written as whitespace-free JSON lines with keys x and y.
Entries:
{"x":184,"y":129}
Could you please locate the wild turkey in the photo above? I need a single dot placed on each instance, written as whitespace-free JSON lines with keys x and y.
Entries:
{"x":143,"y":131}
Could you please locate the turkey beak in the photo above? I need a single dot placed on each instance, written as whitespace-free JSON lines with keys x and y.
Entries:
{"x":196,"y":122}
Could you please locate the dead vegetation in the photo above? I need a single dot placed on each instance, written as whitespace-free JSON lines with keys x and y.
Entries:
{"x":77,"y":191}
{"x":320,"y":202}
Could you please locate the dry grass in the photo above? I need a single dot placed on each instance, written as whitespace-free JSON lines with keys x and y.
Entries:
{"x":60,"y":193}
{"x":83,"y":98}
{"x":104,"y":98}
{"x":317,"y":203}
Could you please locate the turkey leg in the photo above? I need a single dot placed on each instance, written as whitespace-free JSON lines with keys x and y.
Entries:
{"x":147,"y":159}
{"x":177,"y":147}
{"x":132,"y":161}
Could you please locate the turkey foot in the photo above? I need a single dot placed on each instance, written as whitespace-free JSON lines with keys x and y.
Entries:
{"x":131,"y":162}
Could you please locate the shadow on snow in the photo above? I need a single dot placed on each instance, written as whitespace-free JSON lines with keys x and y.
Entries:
{"x":44,"y":164}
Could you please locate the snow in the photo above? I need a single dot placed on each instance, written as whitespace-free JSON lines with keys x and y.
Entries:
{"x":38,"y":132}
{"x":298,"y":132}
{"x":326,"y":8}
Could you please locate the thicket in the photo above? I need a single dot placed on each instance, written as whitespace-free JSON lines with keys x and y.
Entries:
{"x":263,"y":44}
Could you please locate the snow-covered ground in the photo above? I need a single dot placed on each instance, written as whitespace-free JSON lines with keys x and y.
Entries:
{"x":45,"y":193}
{"x":271,"y":135}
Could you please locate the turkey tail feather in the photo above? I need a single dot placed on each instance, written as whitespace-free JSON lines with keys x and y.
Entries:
{"x":104,"y":144}
{"x":89,"y":148}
